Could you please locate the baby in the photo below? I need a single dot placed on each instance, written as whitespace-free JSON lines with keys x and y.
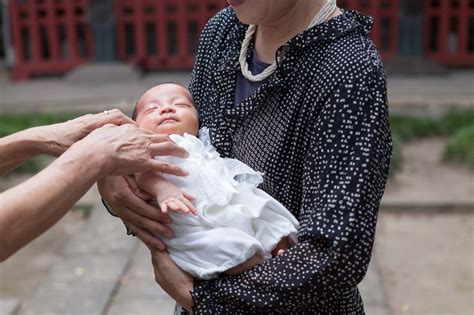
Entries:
{"x":221,"y":221}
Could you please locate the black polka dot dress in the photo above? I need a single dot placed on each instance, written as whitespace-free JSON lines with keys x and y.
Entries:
{"x":318,"y":129}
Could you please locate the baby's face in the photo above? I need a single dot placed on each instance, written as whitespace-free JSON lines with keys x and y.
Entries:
{"x":167,"y":109}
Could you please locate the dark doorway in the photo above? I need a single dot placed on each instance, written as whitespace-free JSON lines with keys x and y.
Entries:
{"x":411,"y":28}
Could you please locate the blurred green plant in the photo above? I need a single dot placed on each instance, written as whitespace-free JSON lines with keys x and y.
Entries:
{"x":454,"y":121}
{"x":12,"y":123}
{"x":408,"y":127}
{"x":457,"y":124}
{"x":396,"y":160}
{"x":460,"y":147}
{"x":85,"y":209}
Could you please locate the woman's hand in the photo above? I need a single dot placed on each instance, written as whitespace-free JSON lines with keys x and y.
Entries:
{"x":128,"y":202}
{"x":54,"y":139}
{"x":59,"y":137}
{"x":128,"y":149}
{"x":177,"y":283}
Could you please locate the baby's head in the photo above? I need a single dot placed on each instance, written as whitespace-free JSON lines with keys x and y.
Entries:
{"x":167,"y":109}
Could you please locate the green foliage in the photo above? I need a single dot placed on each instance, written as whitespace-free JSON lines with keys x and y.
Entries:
{"x":13,"y":123}
{"x":458,"y":124}
{"x":411,"y":127}
{"x":395,"y":162}
{"x":455,"y":120}
{"x":460,"y":147}
{"x":85,"y":209}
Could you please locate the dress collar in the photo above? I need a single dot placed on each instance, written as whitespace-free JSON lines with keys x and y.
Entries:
{"x":329,"y":31}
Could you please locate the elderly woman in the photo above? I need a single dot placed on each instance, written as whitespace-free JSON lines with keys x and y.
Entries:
{"x":295,"y":89}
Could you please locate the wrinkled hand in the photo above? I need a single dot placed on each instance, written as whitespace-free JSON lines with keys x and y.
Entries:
{"x":128,"y":149}
{"x":177,"y":283}
{"x":128,"y":202}
{"x":63,"y":135}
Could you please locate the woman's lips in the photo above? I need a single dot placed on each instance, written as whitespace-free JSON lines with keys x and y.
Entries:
{"x":235,"y":3}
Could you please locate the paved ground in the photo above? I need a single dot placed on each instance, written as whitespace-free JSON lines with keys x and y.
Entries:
{"x":98,"y":87}
{"x":427,"y":262}
{"x":423,"y":263}
{"x":424,"y":182}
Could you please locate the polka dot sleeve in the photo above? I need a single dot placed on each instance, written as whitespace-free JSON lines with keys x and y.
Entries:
{"x":344,"y":175}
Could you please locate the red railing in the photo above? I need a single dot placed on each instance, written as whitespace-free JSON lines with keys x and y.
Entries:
{"x":49,"y":36}
{"x":385,"y":30}
{"x":449,"y":31}
{"x":162,"y":34}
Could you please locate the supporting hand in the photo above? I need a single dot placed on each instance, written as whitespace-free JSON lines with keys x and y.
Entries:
{"x":177,"y":283}
{"x":129,"y":204}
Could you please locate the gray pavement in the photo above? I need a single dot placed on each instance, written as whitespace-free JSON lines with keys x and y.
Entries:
{"x":96,"y":87}
{"x":89,"y":89}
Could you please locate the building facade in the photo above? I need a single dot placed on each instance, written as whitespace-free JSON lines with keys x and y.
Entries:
{"x":55,"y":36}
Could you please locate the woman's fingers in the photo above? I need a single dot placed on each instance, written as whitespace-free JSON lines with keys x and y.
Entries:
{"x":128,"y":149}
{"x":165,"y":167}
{"x":135,"y":189}
{"x":147,"y":238}
{"x":113,"y":116}
{"x":132,"y":209}
{"x":142,"y":208}
{"x":167,"y":148}
{"x":155,"y":228}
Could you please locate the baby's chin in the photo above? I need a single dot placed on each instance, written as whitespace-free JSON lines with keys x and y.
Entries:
{"x":170,"y":129}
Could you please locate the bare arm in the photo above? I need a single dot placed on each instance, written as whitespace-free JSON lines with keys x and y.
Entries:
{"x":22,"y":146}
{"x":53,"y":139}
{"x":31,"y":208}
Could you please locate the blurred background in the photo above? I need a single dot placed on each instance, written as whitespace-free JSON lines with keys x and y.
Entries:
{"x":63,"y":58}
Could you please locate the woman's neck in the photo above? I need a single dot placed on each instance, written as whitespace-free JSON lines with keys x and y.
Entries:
{"x":274,"y":33}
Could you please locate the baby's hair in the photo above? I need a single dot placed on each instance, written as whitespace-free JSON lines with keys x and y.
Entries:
{"x":135,"y":112}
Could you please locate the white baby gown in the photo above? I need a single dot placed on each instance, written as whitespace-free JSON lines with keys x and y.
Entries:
{"x":235,"y":219}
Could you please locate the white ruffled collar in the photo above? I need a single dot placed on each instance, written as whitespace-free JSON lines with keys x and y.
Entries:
{"x":200,"y":146}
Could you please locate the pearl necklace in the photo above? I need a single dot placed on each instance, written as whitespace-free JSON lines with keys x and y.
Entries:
{"x":326,"y":11}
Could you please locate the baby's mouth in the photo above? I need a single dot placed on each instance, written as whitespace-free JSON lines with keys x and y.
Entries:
{"x":168,"y":120}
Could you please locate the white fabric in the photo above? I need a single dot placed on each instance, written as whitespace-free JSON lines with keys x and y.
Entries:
{"x":235,"y":219}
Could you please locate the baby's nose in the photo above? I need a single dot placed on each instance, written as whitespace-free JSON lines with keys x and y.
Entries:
{"x":166,"y":108}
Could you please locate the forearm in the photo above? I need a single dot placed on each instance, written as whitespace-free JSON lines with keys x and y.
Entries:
{"x":22,"y":146}
{"x":32,"y":207}
{"x":153,"y":183}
